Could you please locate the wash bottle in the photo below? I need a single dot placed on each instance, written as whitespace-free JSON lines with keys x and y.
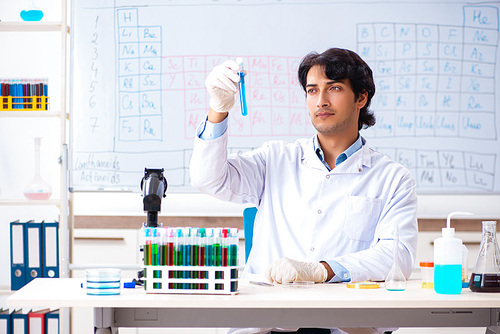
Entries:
{"x":448,"y":260}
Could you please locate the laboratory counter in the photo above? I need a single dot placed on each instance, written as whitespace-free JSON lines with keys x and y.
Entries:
{"x":322,"y":305}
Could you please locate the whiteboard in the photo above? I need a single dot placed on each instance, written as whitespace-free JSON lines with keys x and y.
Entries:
{"x":138,"y":71}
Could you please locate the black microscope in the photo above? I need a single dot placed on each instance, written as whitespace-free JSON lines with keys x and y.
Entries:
{"x":153,"y":186}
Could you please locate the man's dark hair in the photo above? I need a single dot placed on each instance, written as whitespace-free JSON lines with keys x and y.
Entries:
{"x":343,"y":64}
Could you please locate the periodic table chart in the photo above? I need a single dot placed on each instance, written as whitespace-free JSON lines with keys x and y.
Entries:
{"x":138,"y":77}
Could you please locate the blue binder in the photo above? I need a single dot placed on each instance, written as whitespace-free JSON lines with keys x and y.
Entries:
{"x":50,"y":248}
{"x":52,"y":322}
{"x":5,"y":321}
{"x":33,"y":250}
{"x":17,"y":255}
{"x":19,"y":322}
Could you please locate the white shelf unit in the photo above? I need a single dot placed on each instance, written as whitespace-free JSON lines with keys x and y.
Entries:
{"x":57,"y":111}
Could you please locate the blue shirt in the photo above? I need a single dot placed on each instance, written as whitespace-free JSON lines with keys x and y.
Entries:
{"x":342,"y":156}
{"x":209,"y":131}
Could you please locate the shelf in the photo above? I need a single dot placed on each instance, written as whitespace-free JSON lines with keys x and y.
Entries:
{"x":29,"y":202}
{"x":30,"y":26}
{"x":42,"y":113}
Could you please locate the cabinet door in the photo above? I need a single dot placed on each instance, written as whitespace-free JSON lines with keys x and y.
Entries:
{"x":113,"y":247}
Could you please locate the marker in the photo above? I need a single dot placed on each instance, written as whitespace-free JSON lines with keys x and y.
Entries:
{"x":243,"y":95}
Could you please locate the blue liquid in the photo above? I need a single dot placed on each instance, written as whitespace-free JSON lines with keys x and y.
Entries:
{"x":448,"y":279}
{"x":31,"y":15}
{"x":243,"y":95}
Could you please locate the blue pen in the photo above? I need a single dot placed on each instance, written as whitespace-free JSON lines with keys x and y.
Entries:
{"x":243,"y":95}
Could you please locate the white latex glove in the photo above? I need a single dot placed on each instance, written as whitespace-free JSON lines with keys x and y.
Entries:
{"x":222,"y":85}
{"x":288,"y":270}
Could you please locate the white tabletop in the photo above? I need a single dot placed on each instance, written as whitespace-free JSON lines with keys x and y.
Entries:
{"x":67,"y":292}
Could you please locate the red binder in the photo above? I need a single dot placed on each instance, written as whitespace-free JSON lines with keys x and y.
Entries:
{"x":36,"y":321}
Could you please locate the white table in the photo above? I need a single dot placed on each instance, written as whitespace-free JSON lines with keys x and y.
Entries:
{"x":324,"y":305}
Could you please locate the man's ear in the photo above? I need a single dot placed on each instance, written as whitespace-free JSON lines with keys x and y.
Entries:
{"x":362,"y":99}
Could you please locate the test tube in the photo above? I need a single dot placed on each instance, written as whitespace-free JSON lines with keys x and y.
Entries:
{"x":170,"y":247}
{"x":209,"y":251}
{"x":233,"y":247}
{"x":147,"y":246}
{"x":163,"y":246}
{"x":179,"y":248}
{"x":225,"y":247}
{"x":202,"y":237}
{"x":217,"y":252}
{"x":186,"y":261}
{"x":217,"y":247}
{"x":194,"y":255}
{"x":241,"y":84}
{"x":154,"y":247}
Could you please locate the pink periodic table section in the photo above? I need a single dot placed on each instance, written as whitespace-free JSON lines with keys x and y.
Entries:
{"x":275,"y":100}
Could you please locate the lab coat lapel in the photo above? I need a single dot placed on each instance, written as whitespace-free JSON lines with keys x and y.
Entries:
{"x":356,"y":162}
{"x":310,"y":158}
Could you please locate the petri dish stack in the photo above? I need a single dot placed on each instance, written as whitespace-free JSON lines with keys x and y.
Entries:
{"x":103,"y":281}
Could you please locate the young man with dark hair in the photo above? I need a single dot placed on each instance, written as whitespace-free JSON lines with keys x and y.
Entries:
{"x":327,"y":205}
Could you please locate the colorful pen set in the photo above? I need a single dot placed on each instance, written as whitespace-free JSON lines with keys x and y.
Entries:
{"x":195,"y":250}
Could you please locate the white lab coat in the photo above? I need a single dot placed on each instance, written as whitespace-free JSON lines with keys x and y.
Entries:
{"x":308,"y":213}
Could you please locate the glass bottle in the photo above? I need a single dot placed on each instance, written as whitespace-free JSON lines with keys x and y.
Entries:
{"x":486,"y":274}
{"x":38,"y":189}
{"x":395,"y":280}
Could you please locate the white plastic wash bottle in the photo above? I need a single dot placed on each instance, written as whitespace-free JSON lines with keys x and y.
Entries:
{"x":448,"y":260}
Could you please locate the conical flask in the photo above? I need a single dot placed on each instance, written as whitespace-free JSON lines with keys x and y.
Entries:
{"x":38,"y":189}
{"x":395,"y":280}
{"x":486,"y":274}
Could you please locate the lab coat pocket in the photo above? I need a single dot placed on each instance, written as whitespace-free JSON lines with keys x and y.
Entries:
{"x":361,"y":217}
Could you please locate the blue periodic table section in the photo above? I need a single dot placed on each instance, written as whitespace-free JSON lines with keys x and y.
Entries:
{"x":140,"y":116}
{"x":436,"y":81}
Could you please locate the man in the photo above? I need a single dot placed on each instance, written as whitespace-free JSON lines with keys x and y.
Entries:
{"x":327,"y":205}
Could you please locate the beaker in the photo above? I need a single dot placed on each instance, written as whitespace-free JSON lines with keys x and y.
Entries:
{"x":38,"y":189}
{"x":486,"y":274}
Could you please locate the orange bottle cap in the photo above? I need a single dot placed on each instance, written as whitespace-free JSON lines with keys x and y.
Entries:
{"x":427,"y":264}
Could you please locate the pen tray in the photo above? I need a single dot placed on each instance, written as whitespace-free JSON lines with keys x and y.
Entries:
{"x":191,"y":279}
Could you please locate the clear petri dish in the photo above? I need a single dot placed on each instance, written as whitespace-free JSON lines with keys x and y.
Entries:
{"x":299,"y":284}
{"x":103,"y":281}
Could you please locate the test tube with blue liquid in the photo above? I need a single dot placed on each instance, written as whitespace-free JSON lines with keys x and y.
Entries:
{"x":241,"y":84}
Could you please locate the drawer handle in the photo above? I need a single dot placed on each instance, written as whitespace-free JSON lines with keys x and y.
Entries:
{"x":100,"y":238}
{"x":466,"y":243}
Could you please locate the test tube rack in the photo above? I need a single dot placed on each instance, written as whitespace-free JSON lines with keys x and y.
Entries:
{"x":24,"y":103}
{"x":215,"y":280}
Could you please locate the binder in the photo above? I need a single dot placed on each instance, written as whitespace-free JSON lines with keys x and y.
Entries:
{"x":17,"y":255}
{"x":52,"y":322}
{"x":5,"y":321}
{"x":33,"y":249}
{"x":19,"y":323}
{"x":36,"y":321}
{"x":50,"y":249}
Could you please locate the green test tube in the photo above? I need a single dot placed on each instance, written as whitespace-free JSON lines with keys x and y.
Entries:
{"x":233,"y":247}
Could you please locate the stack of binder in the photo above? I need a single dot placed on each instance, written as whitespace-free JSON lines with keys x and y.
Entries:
{"x":29,"y":322}
{"x":34,"y":251}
